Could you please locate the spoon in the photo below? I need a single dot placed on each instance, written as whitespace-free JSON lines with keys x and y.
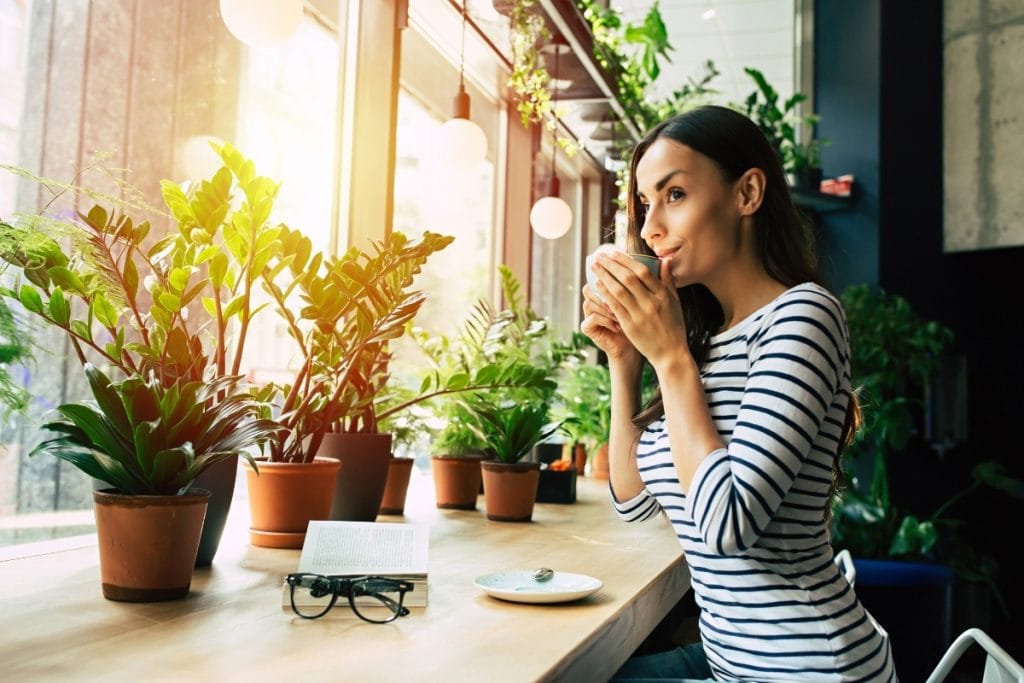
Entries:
{"x":543,"y":574}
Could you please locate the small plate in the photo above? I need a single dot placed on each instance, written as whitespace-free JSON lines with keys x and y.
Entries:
{"x":520,"y":586}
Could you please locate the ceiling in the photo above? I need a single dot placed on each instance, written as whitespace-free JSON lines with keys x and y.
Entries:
{"x":739,"y":33}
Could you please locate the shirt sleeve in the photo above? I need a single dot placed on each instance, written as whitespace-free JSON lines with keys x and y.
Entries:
{"x":638,"y":508}
{"x":798,"y":361}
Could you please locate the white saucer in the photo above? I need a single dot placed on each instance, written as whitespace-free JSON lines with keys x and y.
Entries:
{"x":520,"y":586}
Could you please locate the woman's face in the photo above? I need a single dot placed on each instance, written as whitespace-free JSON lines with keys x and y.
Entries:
{"x":691,"y":211}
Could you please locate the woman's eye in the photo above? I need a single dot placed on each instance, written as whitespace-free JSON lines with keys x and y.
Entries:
{"x":675,"y":194}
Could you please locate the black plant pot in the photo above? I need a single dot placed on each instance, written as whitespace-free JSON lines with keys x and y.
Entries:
{"x":219,"y":480}
{"x":807,"y":179}
{"x":557,"y":486}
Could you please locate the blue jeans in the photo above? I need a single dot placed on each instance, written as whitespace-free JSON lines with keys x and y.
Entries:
{"x":686,"y":664}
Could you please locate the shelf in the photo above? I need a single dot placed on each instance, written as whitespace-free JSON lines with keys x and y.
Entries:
{"x":819,"y":202}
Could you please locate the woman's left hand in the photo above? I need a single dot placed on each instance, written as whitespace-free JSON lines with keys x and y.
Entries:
{"x":646,"y":309}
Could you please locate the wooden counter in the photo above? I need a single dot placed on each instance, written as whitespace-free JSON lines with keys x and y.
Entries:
{"x":56,"y":626}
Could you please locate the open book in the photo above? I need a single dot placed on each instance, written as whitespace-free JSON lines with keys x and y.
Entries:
{"x":366,"y":549}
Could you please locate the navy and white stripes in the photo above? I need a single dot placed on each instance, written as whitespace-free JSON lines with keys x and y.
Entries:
{"x":774,"y":606}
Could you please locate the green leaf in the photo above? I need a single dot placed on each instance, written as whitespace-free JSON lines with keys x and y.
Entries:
{"x":60,"y":311}
{"x":179,"y":278}
{"x":170,"y":302}
{"x":108,"y":400}
{"x":67,"y":279}
{"x":131,"y":279}
{"x":234,"y":306}
{"x":210,"y":306}
{"x":218,"y":269}
{"x":30,"y":299}
{"x":104,"y":311}
{"x":81,"y":328}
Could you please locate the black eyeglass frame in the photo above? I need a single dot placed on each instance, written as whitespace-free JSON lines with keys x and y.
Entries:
{"x":351,"y":587}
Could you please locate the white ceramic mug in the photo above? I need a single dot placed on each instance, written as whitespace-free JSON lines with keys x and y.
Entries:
{"x":653,"y":264}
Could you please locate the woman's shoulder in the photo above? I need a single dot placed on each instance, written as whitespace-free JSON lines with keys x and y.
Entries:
{"x":805,"y":304}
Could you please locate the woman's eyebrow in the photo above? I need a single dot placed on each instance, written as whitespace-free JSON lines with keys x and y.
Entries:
{"x":660,"y":185}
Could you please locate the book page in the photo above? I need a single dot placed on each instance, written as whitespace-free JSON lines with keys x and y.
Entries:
{"x":364,"y":548}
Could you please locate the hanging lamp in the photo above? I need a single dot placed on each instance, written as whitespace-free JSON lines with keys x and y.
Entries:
{"x":551,"y":216}
{"x":268,"y":23}
{"x":461,"y":143}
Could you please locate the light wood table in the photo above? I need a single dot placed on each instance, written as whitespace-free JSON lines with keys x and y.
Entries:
{"x":56,"y":626}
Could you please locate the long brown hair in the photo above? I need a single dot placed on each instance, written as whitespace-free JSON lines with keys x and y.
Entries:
{"x":785,"y":243}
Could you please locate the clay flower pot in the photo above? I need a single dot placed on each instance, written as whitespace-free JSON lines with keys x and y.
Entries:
{"x":148,"y":544}
{"x":510,"y":490}
{"x":284,"y":496}
{"x":399,"y":471}
{"x":456,"y":481}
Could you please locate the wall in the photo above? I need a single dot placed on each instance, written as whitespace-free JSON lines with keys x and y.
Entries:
{"x":846,"y":75}
{"x":983,"y":50}
{"x":897,"y":237}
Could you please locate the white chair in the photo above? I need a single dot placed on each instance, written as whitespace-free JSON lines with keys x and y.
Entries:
{"x":999,"y":666}
{"x":844,"y":561}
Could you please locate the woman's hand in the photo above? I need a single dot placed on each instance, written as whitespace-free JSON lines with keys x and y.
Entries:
{"x":643,"y":309}
{"x":599,"y":324}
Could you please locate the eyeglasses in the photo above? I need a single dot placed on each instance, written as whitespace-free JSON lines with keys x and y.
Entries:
{"x":373,"y":598}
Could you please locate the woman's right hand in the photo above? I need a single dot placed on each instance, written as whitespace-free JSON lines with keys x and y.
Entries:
{"x":600,"y":325}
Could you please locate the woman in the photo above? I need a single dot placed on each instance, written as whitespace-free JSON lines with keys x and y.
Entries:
{"x":740,"y":446}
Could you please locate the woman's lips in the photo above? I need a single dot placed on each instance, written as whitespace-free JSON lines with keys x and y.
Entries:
{"x":665,"y":253}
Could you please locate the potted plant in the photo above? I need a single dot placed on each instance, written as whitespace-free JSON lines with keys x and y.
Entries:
{"x":14,"y":350}
{"x":584,"y":391}
{"x":499,"y":353}
{"x":178,"y":307}
{"x":340,"y":313}
{"x":509,"y":430}
{"x":780,"y":124}
{"x":893,"y":356}
{"x":149,"y":442}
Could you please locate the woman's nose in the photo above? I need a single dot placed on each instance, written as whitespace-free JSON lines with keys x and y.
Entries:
{"x":651,"y":227}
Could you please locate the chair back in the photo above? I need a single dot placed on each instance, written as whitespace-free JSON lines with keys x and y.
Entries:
{"x":1000,"y":667}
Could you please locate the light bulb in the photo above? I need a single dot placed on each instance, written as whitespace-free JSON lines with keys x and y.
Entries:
{"x":262,"y":24}
{"x":551,"y":217}
{"x":461,"y":143}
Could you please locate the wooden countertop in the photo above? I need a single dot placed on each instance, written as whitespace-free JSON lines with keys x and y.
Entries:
{"x":56,"y":626}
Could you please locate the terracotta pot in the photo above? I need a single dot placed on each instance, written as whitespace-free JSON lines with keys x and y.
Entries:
{"x":219,"y":480}
{"x":511,"y":490}
{"x":399,"y":470}
{"x":148,"y":544}
{"x":457,"y":481}
{"x":284,"y":496}
{"x":359,"y":484}
{"x":579,"y":457}
{"x":599,"y":465}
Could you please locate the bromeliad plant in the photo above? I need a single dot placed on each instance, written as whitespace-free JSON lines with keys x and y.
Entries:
{"x":143,"y":438}
{"x":509,"y":429}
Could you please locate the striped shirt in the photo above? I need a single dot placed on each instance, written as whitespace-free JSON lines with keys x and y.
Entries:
{"x":774,"y":606}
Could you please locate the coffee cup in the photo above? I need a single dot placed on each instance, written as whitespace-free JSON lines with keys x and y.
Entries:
{"x":653,"y":264}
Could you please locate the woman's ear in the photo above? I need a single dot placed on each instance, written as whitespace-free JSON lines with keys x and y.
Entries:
{"x":750,"y":192}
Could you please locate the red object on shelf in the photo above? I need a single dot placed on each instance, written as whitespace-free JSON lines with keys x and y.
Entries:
{"x":840,"y":187}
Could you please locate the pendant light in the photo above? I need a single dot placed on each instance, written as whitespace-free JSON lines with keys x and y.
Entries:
{"x":551,"y":216}
{"x":268,"y":23}
{"x":461,"y":143}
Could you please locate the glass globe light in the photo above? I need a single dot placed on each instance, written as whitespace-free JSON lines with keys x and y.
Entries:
{"x":461,"y":143}
{"x":261,"y":24}
{"x":551,"y":217}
